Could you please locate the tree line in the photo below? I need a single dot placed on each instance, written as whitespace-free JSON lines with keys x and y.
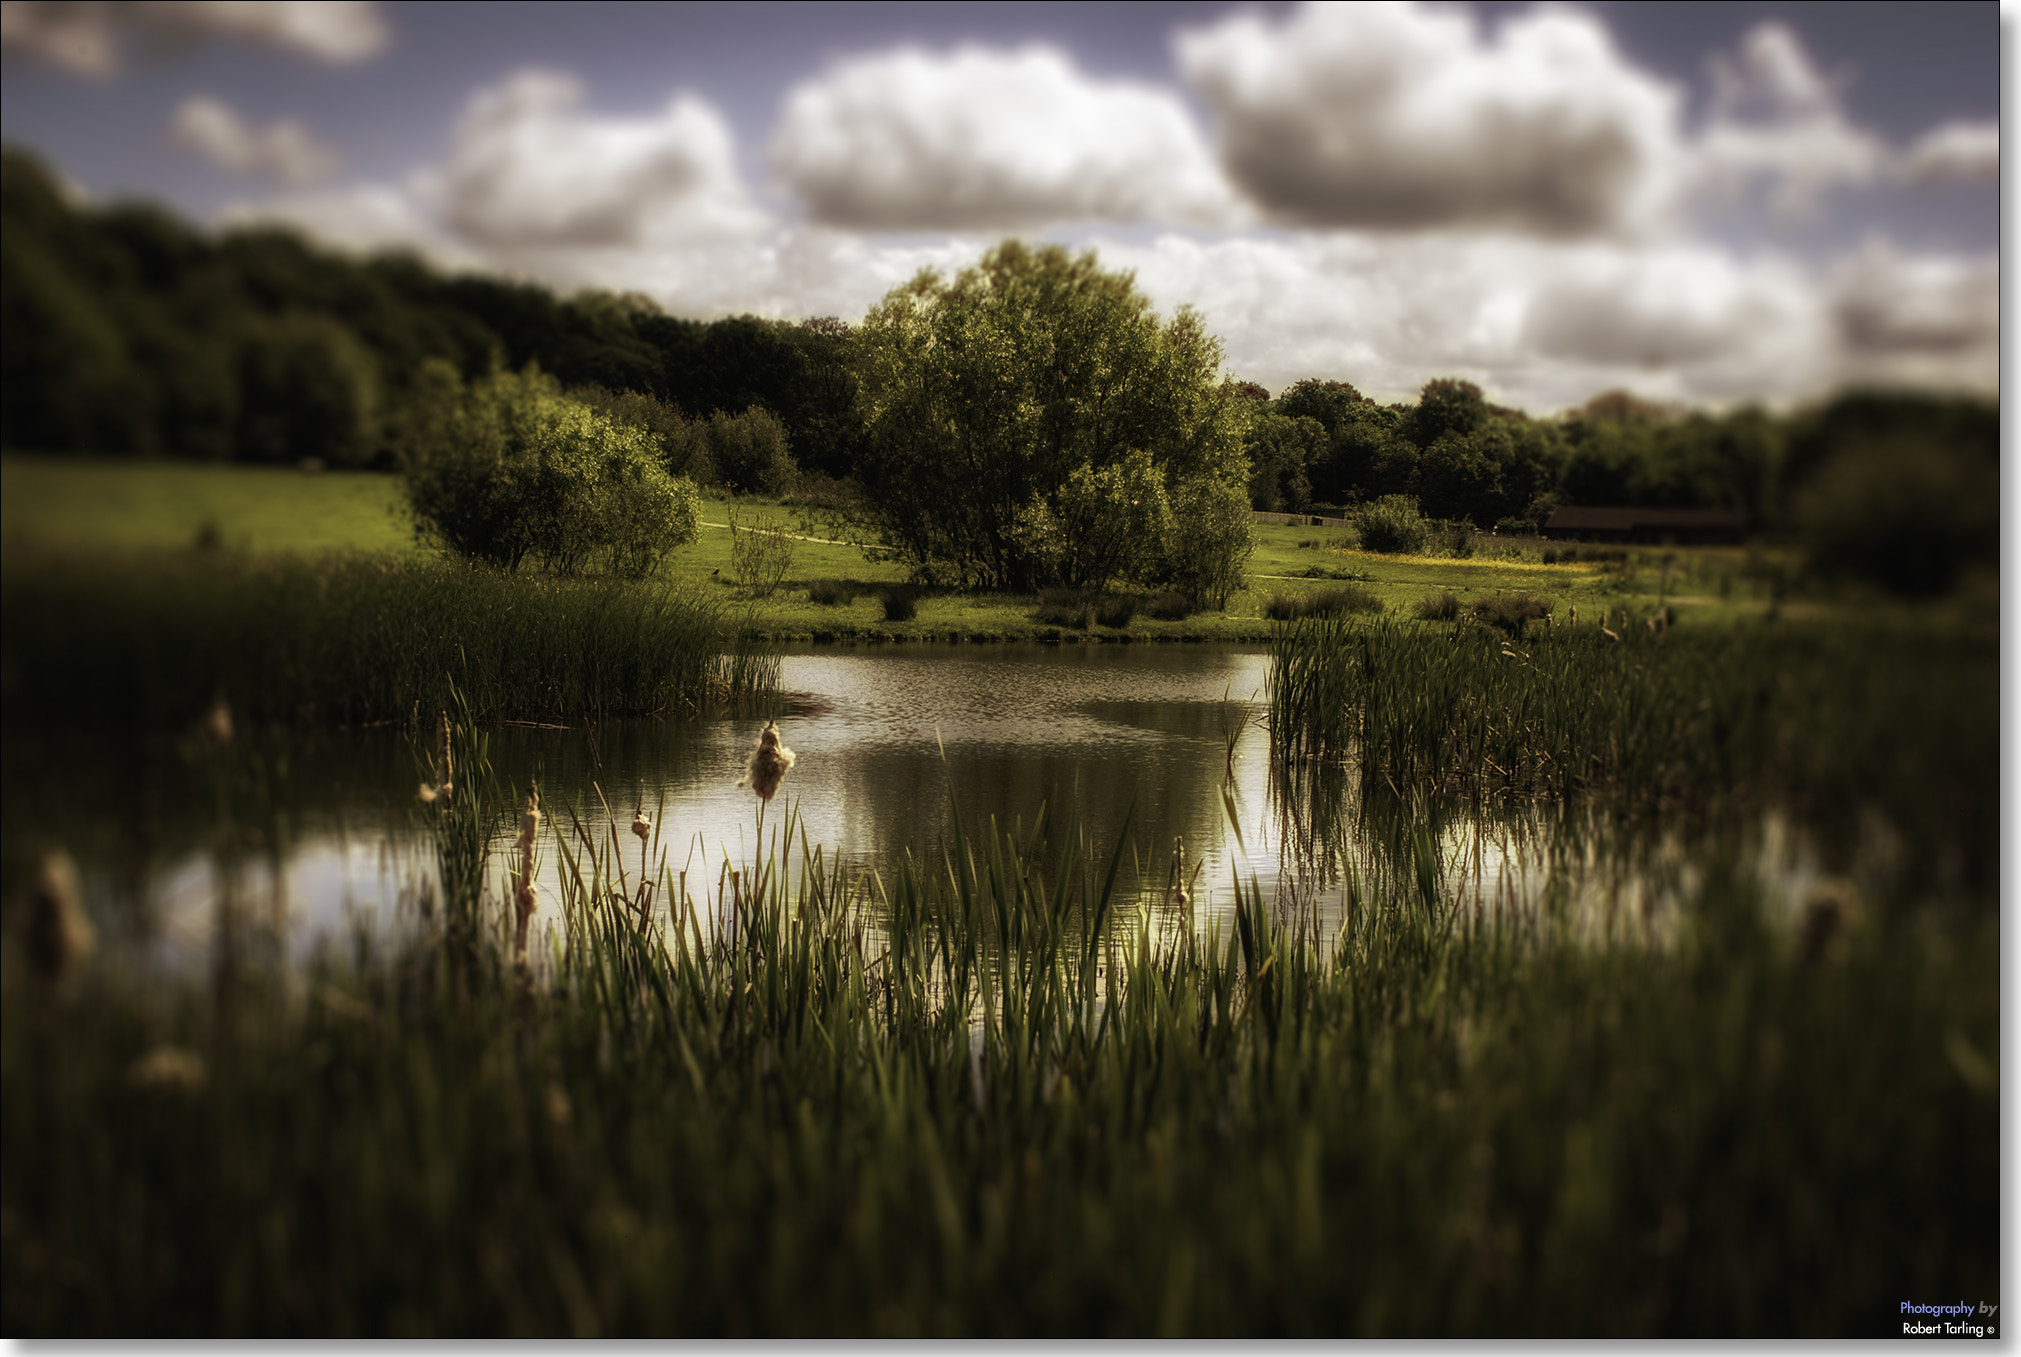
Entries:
{"x":127,"y":331}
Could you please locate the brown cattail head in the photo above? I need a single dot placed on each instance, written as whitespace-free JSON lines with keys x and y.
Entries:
{"x":769,"y":763}
{"x":642,"y":824}
{"x":60,"y":937}
{"x":1830,"y":915}
{"x":168,"y":1069}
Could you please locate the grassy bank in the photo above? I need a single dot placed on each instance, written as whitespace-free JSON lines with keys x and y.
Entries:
{"x":989,"y":1095}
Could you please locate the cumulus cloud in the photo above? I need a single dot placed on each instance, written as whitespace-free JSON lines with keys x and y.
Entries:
{"x":527,"y":166}
{"x":1924,"y":319}
{"x":1965,"y":151}
{"x":1539,"y":323}
{"x":979,"y":139}
{"x":89,"y":37}
{"x":1404,"y":117}
{"x":1773,"y":117}
{"x":283,"y":149}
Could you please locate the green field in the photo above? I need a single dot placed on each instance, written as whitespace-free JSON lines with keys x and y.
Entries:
{"x":52,"y":505}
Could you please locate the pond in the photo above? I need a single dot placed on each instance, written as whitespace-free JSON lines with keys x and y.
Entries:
{"x":1144,"y":745}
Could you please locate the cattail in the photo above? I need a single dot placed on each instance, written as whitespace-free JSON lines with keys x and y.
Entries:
{"x":522,"y":876}
{"x":430,"y":794}
{"x":769,"y":763}
{"x":59,"y":935}
{"x":168,"y":1069}
{"x":1608,"y":631}
{"x":642,"y":824}
{"x":1178,"y":894}
{"x":218,"y":722}
{"x":1572,"y":615}
{"x":1830,"y":915}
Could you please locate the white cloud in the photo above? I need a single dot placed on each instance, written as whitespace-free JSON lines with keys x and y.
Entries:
{"x":528,"y":168}
{"x":88,"y":37}
{"x":1919,"y":319}
{"x":217,"y":133}
{"x":1540,"y":324}
{"x":1956,"y":151}
{"x":1406,"y":117}
{"x":978,"y":139}
{"x":1773,"y":117}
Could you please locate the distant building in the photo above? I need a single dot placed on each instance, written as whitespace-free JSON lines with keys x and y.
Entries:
{"x":1670,"y":527}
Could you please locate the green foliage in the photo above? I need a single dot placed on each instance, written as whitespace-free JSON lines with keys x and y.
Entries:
{"x":831,"y":593}
{"x":1102,"y":526}
{"x":1391,"y":526}
{"x":985,"y":393}
{"x":1511,"y":613}
{"x":1325,"y":603}
{"x":510,"y":469}
{"x":748,"y":453}
{"x":307,"y":388}
{"x":901,"y":603}
{"x":683,"y":442}
{"x":1211,"y":539}
{"x":759,"y":557}
{"x":1441,"y":607}
{"x":1283,"y":451}
{"x":1908,"y":513}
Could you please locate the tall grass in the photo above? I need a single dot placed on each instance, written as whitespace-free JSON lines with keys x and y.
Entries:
{"x":980,"y":1093}
{"x":1834,"y":723}
{"x":155,"y":638}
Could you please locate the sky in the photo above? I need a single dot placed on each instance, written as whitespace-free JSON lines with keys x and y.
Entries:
{"x":1706,"y":203}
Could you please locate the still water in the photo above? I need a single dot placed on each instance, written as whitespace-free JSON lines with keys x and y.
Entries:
{"x":1131,"y":744}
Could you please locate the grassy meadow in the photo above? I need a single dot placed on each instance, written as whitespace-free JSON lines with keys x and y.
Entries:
{"x":52,"y":509}
{"x":1006,"y":1087}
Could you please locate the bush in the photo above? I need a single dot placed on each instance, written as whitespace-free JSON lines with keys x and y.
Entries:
{"x":1109,"y":524}
{"x":1212,"y":536}
{"x":509,"y":469}
{"x":1169,"y":606}
{"x":759,"y":557}
{"x":1511,"y":612}
{"x":1064,"y":608}
{"x":1457,"y":539}
{"x":1325,"y":603}
{"x":831,"y":593}
{"x":1438,"y":607}
{"x":901,"y":604}
{"x":1391,"y":526}
{"x":748,"y":453}
{"x":1117,"y":610}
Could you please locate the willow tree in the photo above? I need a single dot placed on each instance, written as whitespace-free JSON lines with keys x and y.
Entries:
{"x":994,"y":401}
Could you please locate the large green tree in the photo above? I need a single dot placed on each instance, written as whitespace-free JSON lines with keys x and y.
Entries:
{"x":984,"y":394}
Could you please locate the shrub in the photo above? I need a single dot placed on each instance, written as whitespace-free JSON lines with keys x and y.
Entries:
{"x":1457,"y":539}
{"x":1169,"y":606}
{"x":1064,"y":608}
{"x":831,"y":593}
{"x":759,"y":557}
{"x":1117,"y":610}
{"x":1392,"y":526}
{"x":1212,"y":536}
{"x":901,"y":604}
{"x":1325,"y":603}
{"x":1511,"y":612}
{"x":748,"y":453}
{"x":509,"y":469}
{"x":1109,"y":524}
{"x":1438,"y":607}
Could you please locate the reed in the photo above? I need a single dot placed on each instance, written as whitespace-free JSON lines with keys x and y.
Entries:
{"x":1836,"y":723}
{"x":154,"y":639}
{"x":977,"y":1092}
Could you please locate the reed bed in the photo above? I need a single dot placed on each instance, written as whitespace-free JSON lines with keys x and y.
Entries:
{"x":1837,"y":724}
{"x":153,"y":640}
{"x":986,"y":1092}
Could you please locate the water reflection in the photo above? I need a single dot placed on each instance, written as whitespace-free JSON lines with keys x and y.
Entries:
{"x":892,"y":743}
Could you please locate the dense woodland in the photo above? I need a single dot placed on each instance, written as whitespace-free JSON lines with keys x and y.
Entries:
{"x":130,"y":332}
